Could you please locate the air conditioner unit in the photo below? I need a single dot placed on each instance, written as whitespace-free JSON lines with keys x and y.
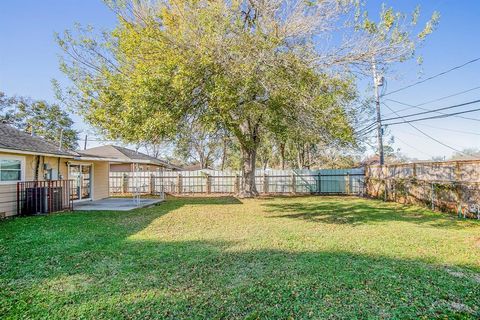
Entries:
{"x":38,"y":200}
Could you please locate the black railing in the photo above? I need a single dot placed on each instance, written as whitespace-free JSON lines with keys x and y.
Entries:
{"x":37,"y":197}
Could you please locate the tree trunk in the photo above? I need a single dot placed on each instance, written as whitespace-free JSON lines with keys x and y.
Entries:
{"x":203,"y":162}
{"x":282,"y":155}
{"x":248,"y":188}
{"x":224,"y":153}
{"x":309,"y":157}
{"x":300,"y":156}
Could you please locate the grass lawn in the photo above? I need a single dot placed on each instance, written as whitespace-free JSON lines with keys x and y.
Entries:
{"x":305,"y":257}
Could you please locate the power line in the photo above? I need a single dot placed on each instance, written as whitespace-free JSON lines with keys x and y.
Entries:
{"x":451,"y":130}
{"x":425,"y":134}
{"x":368,"y":131}
{"x":366,"y":127}
{"x":408,"y":145}
{"x":433,"y":77}
{"x":410,"y":106}
{"x":434,"y":117}
{"x":369,"y":128}
{"x":462,"y":117}
{"x":434,"y":110}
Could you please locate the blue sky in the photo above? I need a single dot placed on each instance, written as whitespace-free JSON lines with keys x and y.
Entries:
{"x":29,"y":61}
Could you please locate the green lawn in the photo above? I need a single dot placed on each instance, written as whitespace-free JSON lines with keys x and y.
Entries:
{"x":305,"y":257}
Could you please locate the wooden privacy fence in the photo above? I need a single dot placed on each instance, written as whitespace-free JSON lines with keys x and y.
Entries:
{"x":344,"y":181}
{"x":449,"y":186}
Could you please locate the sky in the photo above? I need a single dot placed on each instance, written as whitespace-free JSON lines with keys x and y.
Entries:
{"x":29,"y":61}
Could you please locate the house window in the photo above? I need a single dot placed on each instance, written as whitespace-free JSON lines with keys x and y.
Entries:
{"x":11,"y":169}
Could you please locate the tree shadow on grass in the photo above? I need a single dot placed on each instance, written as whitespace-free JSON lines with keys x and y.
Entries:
{"x":357,"y":211}
{"x":209,"y":279}
{"x":66,"y":266}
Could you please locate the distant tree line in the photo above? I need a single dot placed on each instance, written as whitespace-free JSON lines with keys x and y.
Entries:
{"x":39,"y":117}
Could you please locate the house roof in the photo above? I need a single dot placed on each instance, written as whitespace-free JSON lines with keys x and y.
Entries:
{"x":17,"y":140}
{"x":195,"y":167}
{"x":127,"y":155}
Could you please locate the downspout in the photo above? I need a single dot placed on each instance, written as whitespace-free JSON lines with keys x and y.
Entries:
{"x":58,"y":168}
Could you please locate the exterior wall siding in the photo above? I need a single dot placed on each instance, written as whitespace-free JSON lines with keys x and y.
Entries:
{"x":101,"y":173}
{"x":8,"y":192}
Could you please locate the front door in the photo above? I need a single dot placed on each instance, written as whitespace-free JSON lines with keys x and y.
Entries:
{"x":81,"y":174}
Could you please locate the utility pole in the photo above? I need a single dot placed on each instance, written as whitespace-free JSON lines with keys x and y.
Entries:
{"x":378,"y":82}
{"x":85,"y":145}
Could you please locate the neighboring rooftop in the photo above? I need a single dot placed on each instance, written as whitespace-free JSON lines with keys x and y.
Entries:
{"x":121,"y":153}
{"x":195,"y":167}
{"x":15,"y":139}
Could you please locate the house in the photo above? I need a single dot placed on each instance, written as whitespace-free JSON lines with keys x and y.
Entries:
{"x":31,"y":158}
{"x":126,"y":159}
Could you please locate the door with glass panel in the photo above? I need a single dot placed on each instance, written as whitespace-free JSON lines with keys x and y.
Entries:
{"x":81,"y":174}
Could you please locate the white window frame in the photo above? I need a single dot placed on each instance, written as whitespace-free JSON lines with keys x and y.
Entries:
{"x":22,"y":167}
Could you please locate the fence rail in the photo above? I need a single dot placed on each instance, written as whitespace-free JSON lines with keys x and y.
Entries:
{"x":347,"y":181}
{"x":35,"y":197}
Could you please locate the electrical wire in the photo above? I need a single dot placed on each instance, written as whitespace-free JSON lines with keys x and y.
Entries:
{"x":450,"y":130}
{"x":434,"y":117}
{"x":367,"y":132}
{"x":366,"y":127}
{"x":410,"y":106}
{"x":433,"y":77}
{"x":412,"y":147}
{"x":432,"y":110}
{"x":369,"y":128}
{"x":425,"y":134}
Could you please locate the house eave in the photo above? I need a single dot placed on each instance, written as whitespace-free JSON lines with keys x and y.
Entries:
{"x":117,"y":160}
{"x":34,"y":153}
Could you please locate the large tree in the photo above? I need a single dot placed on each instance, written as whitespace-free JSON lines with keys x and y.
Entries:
{"x":247,"y":66}
{"x":40,"y":118}
{"x":198,"y":144}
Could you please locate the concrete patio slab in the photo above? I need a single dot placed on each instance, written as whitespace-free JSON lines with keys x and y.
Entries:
{"x":115,"y":204}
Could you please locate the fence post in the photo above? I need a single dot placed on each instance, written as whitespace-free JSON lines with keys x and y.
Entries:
{"x":385,"y":191}
{"x":385,"y":176}
{"x":236,"y":185}
{"x":433,"y":196}
{"x":125,"y":183}
{"x":294,"y":184}
{"x":458,"y":188}
{"x":208,"y":183}
{"x":152,"y":184}
{"x":265,"y":183}
{"x":179,"y":183}
{"x":394,"y":189}
{"x":347,"y":185}
{"x":319,"y":188}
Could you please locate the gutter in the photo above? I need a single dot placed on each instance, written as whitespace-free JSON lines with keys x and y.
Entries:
{"x":111,"y":159}
{"x":34,"y":153}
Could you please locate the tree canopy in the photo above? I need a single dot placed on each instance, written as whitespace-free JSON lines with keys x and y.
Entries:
{"x":254,"y":68}
{"x":40,"y":118}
